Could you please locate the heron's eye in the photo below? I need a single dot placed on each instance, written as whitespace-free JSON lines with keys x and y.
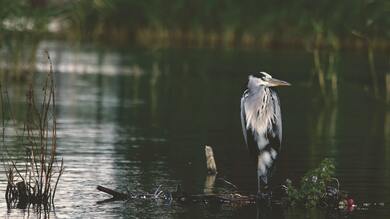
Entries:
{"x":265,"y":76}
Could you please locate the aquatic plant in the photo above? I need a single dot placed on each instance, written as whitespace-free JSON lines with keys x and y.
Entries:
{"x":314,"y":186}
{"x":34,"y":179}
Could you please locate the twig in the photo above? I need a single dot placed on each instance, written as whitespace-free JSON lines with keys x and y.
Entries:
{"x":229,"y":183}
{"x":156,"y":193}
{"x":115,"y":195}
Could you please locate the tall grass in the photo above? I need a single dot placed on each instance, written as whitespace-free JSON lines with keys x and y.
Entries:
{"x":34,"y":179}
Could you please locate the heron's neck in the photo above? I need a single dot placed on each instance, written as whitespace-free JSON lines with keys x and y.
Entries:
{"x":254,"y":89}
{"x":263,"y":90}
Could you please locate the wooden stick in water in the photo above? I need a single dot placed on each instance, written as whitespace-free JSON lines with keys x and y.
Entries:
{"x":210,"y":161}
{"x":115,"y":195}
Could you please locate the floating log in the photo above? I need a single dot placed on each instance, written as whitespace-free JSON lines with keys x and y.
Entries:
{"x":180,"y":197}
{"x":333,"y":199}
{"x":228,"y":198}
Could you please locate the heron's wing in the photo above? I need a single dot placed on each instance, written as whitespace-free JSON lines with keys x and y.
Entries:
{"x":249,"y":136}
{"x":243,"y":116}
{"x":277,"y":123}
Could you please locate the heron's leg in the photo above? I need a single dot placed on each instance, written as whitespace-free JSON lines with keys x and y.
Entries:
{"x":258,"y":183}
{"x":260,"y":173}
{"x":262,"y":179}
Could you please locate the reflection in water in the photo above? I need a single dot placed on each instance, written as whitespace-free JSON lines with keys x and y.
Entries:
{"x":209,"y":184}
{"x":273,"y":211}
{"x":84,"y":61}
{"x":154,"y":79}
{"x":140,"y":120}
{"x":31,"y":212}
{"x":322,"y":131}
{"x":387,"y":142}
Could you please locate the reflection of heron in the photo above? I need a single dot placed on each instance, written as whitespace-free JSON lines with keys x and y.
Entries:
{"x":262,"y":124}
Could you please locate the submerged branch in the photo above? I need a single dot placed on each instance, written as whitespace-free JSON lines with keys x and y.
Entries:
{"x":180,"y":197}
{"x":115,"y":194}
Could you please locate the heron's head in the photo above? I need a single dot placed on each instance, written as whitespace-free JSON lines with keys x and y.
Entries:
{"x":265,"y":79}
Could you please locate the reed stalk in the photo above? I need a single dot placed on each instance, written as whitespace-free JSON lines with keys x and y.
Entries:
{"x":34,"y":179}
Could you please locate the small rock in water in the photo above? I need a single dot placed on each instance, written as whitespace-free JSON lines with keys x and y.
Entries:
{"x":366,"y":204}
{"x":342,"y":204}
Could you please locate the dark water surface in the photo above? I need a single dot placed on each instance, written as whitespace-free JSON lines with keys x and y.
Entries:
{"x":138,"y":119}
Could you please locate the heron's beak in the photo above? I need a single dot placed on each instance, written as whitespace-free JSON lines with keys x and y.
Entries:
{"x":273,"y":82}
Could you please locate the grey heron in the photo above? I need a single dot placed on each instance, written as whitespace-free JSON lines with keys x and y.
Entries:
{"x":261,"y":122}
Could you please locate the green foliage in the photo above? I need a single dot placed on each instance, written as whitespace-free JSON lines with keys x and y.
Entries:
{"x":300,"y":18}
{"x":313,"y":185}
{"x":253,"y":15}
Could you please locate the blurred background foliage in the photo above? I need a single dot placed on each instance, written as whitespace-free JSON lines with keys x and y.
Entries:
{"x":321,"y":28}
{"x":203,"y":22}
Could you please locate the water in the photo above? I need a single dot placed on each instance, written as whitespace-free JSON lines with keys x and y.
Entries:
{"x":136,"y":119}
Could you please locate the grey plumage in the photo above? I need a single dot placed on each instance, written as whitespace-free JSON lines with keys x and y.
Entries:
{"x":261,"y":122}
